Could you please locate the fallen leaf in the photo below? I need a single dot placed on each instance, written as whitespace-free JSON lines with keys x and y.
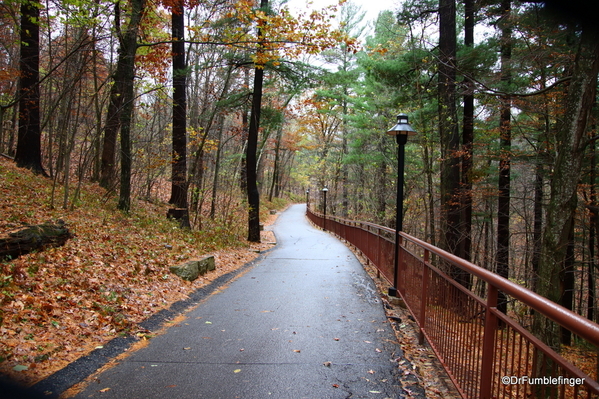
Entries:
{"x":237,"y":371}
{"x":371,"y":371}
{"x":335,"y":385}
{"x":336,"y":339}
{"x":20,"y":367}
{"x":105,"y":390}
{"x":186,"y":349}
{"x":297,"y":350}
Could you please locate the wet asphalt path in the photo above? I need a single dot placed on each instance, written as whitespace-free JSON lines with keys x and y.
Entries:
{"x":305,"y":322}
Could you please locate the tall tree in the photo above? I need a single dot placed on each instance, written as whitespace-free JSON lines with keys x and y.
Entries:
{"x":253,"y":195}
{"x":505,"y":132}
{"x":467,"y":140}
{"x":338,"y":87}
{"x":124,"y":78}
{"x":569,"y":147}
{"x":113,"y":116}
{"x":179,"y":149}
{"x":448,"y":132}
{"x":29,"y":141}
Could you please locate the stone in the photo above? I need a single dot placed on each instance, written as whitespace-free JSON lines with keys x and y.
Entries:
{"x":189,"y":271}
{"x":398,"y":302}
{"x":193,"y":269}
{"x":207,"y":264}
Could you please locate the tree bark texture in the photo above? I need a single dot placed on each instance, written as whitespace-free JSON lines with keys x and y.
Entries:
{"x":449,"y":134}
{"x":113,"y":120}
{"x":502,"y":257}
{"x":29,"y":139}
{"x":253,"y":194}
{"x":467,"y":143}
{"x":125,"y":78}
{"x":179,"y":150}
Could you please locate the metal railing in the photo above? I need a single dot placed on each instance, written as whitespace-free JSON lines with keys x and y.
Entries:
{"x":486,"y":353}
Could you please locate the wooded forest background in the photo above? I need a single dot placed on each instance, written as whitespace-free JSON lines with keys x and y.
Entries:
{"x":208,"y":105}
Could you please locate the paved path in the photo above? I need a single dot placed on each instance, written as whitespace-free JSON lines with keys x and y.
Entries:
{"x":305,"y":322}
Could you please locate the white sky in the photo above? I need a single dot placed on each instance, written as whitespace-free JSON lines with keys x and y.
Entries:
{"x":371,"y":7}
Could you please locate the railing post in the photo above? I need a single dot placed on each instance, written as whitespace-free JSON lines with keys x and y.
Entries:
{"x":488,"y":357}
{"x":423,"y":297}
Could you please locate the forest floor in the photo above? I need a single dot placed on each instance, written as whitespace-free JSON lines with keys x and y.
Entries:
{"x":59,"y":304}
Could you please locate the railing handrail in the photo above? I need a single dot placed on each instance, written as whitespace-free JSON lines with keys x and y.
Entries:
{"x":476,"y":355}
{"x":579,"y":325}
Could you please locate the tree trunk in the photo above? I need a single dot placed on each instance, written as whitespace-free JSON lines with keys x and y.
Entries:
{"x":253,"y":194}
{"x":243,"y":170}
{"x":179,"y":149}
{"x":567,"y":283}
{"x":593,"y":222}
{"x":467,"y":143}
{"x":29,"y":141}
{"x":566,"y":173}
{"x":449,"y":134}
{"x":126,"y":67}
{"x":380,"y":186}
{"x":502,"y":257}
{"x":537,"y":225}
{"x":113,"y":117}
{"x":217,"y":161}
{"x":275,"y":183}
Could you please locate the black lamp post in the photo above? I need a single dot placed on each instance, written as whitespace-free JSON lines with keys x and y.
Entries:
{"x":307,"y":199}
{"x":401,"y":131}
{"x":324,"y":212}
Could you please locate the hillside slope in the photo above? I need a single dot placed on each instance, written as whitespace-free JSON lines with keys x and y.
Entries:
{"x":59,"y":304}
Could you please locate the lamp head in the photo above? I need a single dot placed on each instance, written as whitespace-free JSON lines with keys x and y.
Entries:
{"x":402,"y":127}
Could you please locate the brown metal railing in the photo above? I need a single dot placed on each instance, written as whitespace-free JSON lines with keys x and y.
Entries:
{"x":486,"y":353}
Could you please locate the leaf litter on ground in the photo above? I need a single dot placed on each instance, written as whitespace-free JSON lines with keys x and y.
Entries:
{"x":59,"y":304}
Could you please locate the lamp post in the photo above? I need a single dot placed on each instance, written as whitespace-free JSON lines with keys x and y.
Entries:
{"x":401,"y":131}
{"x":307,"y":199}
{"x":324,"y":212}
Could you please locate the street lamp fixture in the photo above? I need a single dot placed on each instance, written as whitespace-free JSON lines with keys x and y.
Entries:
{"x":401,"y":131}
